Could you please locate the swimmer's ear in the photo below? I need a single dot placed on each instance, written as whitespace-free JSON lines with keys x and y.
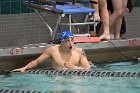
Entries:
{"x":62,"y":40}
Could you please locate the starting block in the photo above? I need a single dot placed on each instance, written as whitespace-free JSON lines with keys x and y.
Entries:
{"x":64,"y":8}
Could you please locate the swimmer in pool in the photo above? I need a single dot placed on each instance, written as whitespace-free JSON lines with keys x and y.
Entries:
{"x":64,"y":56}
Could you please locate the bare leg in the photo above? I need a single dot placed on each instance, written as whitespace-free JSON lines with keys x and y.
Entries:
{"x":105,"y":18}
{"x":96,"y":14}
{"x":116,"y":18}
{"x":94,"y":17}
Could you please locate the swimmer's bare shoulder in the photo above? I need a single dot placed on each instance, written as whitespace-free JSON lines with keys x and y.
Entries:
{"x":79,"y":50}
{"x":51,"y":49}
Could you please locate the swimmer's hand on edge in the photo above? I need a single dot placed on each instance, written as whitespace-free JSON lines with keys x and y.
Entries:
{"x":19,"y":70}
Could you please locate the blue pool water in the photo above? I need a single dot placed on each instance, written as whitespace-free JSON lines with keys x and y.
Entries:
{"x":76,"y":84}
{"x":126,"y":66}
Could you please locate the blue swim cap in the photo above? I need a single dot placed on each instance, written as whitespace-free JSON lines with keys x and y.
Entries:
{"x":65,"y":34}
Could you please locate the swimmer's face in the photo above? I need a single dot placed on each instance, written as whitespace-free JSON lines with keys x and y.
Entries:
{"x":68,"y":42}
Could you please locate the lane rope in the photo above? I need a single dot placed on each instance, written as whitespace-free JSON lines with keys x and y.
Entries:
{"x":20,"y":91}
{"x":78,"y":73}
{"x":85,"y":73}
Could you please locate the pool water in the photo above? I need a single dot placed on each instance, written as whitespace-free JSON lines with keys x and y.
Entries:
{"x":125,"y":66}
{"x":76,"y":84}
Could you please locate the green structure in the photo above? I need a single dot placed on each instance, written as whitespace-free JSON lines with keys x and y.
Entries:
{"x":13,"y":7}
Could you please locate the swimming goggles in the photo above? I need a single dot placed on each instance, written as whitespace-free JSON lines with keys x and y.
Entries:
{"x":68,"y":39}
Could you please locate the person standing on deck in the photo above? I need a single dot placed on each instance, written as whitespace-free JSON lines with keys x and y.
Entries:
{"x":120,"y":7}
{"x":101,"y":10}
{"x":64,"y":56}
{"x":123,"y":26}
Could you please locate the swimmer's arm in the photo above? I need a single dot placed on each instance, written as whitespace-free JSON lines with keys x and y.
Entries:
{"x":80,"y":68}
{"x":83,"y":61}
{"x":69,"y":65}
{"x":35,"y":62}
{"x":40,"y":59}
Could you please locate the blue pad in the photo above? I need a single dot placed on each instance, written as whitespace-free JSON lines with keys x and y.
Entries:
{"x":70,"y":8}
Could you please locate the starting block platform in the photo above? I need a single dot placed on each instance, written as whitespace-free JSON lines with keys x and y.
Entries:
{"x":70,"y":8}
{"x":62,"y":9}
